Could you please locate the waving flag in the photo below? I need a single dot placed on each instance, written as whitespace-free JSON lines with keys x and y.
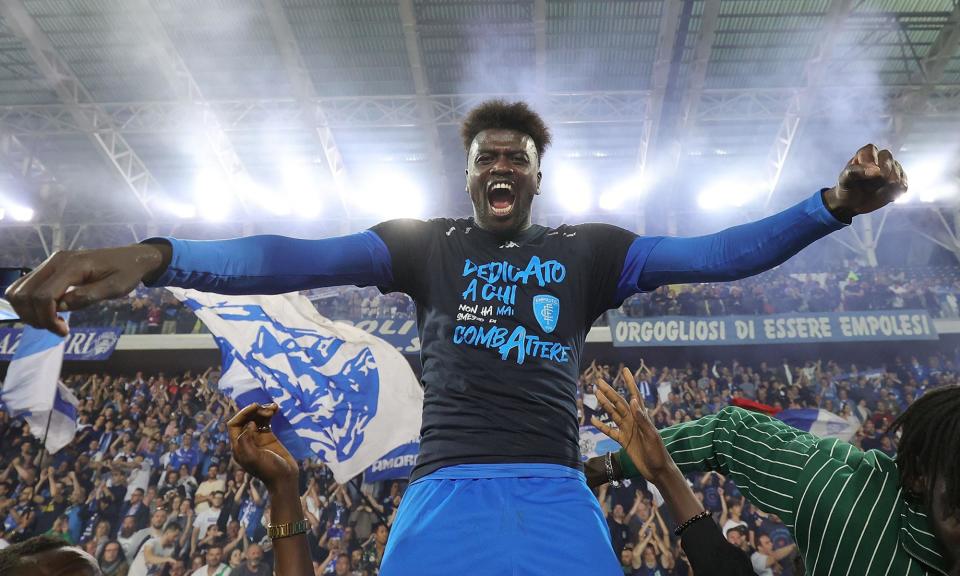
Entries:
{"x":819,"y":422}
{"x":32,"y":389}
{"x":238,"y":383}
{"x":58,"y":425}
{"x":348,"y":396}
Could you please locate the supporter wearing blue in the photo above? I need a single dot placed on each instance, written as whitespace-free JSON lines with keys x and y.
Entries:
{"x":497,"y":445}
{"x":186,"y":454}
{"x":77,"y":512}
{"x":106,"y":438}
{"x":152,"y":452}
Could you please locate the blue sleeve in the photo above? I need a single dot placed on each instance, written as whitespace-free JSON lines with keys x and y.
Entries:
{"x":271,"y":264}
{"x":730,"y":254}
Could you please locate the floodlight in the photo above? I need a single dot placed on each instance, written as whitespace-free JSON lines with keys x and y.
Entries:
{"x":20,"y":213}
{"x":301,"y":191}
{"x":178,"y":209}
{"x":930,"y":181}
{"x":731,"y":193}
{"x":620,"y":193}
{"x":389,"y":193}
{"x":214,"y":200}
{"x":573,"y":190}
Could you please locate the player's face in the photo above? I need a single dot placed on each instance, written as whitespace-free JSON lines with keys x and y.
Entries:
{"x":503,"y":176}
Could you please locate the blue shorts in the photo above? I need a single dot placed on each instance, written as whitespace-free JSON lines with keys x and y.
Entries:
{"x":493,"y":519}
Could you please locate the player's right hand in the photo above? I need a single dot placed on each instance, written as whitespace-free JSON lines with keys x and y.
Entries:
{"x":94,"y":275}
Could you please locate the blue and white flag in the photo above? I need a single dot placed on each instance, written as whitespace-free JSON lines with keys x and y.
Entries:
{"x":34,"y":371}
{"x":348,"y":396}
{"x":62,"y":420}
{"x":32,"y":388}
{"x":7,"y":312}
{"x":238,"y":383}
{"x":821,"y":423}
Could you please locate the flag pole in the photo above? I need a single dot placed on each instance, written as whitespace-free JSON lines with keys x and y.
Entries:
{"x":43,"y":445}
{"x":56,"y":391}
{"x":357,"y":483}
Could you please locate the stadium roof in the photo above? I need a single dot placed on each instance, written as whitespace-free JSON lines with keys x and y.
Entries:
{"x":110,"y":109}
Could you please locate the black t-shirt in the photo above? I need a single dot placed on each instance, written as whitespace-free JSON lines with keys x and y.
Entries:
{"x":502,"y":323}
{"x":619,"y":535}
{"x":48,"y":514}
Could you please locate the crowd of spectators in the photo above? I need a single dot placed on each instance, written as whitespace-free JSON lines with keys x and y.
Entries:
{"x":868,"y":398}
{"x":148,"y":486}
{"x":936,"y":290}
{"x":157,"y":311}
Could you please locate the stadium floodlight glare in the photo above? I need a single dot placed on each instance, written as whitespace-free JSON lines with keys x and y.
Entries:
{"x":20,"y":213}
{"x":391,"y":194}
{"x":180,"y":209}
{"x":627,"y":189}
{"x":730,"y":193}
{"x":930,"y":181}
{"x":939,"y":192}
{"x":573,"y":190}
{"x":301,"y":192}
{"x":3,"y":213}
{"x":256,"y":195}
{"x":214,"y":200}
{"x":275,"y":202}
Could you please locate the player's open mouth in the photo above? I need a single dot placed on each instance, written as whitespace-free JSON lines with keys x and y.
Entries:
{"x":500,"y":196}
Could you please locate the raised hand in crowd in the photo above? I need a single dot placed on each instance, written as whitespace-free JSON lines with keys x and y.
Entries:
{"x":702,"y":540}
{"x":260,"y":453}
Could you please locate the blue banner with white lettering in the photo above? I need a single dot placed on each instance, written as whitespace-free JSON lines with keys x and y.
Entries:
{"x":395,"y":464}
{"x":80,"y":344}
{"x":877,"y":325}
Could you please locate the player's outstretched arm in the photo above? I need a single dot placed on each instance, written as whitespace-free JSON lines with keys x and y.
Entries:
{"x":252,"y":265}
{"x":869,"y":181}
{"x":762,"y":455}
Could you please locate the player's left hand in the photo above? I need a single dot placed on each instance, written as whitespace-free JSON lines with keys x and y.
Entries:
{"x":257,"y":449}
{"x":634,"y":429}
{"x":870,"y":180}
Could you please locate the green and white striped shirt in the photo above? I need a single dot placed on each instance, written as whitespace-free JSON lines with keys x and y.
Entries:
{"x":843,"y":506}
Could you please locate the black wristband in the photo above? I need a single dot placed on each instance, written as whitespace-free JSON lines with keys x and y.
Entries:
{"x":679,"y":530}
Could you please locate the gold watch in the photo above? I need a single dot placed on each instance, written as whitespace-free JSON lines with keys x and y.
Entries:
{"x":275,"y":531}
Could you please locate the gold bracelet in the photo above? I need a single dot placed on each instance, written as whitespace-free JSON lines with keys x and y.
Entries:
{"x":275,"y":531}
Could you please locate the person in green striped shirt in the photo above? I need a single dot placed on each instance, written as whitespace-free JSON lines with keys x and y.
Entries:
{"x":851,"y":512}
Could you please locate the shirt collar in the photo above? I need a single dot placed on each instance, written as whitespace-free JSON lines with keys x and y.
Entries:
{"x":918,"y":539}
{"x":521,"y":237}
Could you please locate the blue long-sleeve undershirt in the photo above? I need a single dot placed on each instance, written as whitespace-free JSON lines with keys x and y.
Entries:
{"x":730,"y":254}
{"x":271,"y":264}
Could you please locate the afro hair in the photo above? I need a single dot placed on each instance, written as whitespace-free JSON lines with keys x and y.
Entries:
{"x":503,"y":115}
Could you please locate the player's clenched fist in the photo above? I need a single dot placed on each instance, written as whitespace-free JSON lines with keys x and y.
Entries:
{"x":95,"y":275}
{"x":871,"y":180}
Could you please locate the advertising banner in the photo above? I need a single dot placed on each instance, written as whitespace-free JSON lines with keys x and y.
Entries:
{"x":81,"y":343}
{"x":877,"y":325}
